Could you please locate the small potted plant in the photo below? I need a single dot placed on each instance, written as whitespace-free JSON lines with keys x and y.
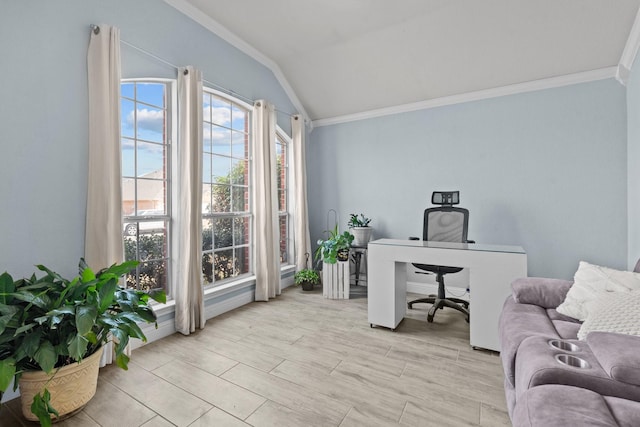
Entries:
{"x":307,"y":278}
{"x":52,"y":331}
{"x":359,"y":226}
{"x":335,"y":248}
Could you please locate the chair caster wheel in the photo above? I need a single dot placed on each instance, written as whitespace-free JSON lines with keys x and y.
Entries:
{"x":430,"y":319}
{"x":409,"y":306}
{"x":371,"y":325}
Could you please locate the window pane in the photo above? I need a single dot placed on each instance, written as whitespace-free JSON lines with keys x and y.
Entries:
{"x":284,"y":232}
{"x":207,"y":144}
{"x":206,"y":107}
{"x":221,"y":198}
{"x":152,"y":275}
{"x":127,"y":90}
{"x":240,"y":197}
{"x":220,"y":111}
{"x":207,"y":235}
{"x":128,"y":157}
{"x":150,"y":123}
{"x":206,"y":169}
{"x":222,"y":237}
{"x":282,"y":200}
{"x":207,"y":268}
{"x":150,"y":158}
{"x":241,"y":231}
{"x":242,"y":260}
{"x":239,"y":171}
{"x":128,"y":196}
{"x":130,"y":244}
{"x":239,"y":117}
{"x":150,"y":93}
{"x":240,"y":145}
{"x":221,"y":140}
{"x":224,"y":265}
{"x":151,"y":195}
{"x":206,"y":199}
{"x":127,"y":121}
{"x":221,"y":169}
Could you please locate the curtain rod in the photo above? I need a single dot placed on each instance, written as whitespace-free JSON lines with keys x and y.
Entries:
{"x":96,"y":30}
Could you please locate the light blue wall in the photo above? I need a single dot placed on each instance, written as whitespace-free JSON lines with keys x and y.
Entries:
{"x":43,"y":110}
{"x":545,"y":170}
{"x":633,"y":156}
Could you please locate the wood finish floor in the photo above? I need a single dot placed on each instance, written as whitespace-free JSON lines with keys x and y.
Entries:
{"x":302,"y":360}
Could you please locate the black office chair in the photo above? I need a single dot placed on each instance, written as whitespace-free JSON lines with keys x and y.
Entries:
{"x":444,"y":223}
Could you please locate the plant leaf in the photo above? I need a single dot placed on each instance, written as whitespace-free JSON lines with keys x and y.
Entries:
{"x":78,"y":347}
{"x":7,"y":371}
{"x":45,"y":356}
{"x":158,"y":295}
{"x":31,"y":343}
{"x":122,"y":360}
{"x":106,"y":294}
{"x":41,"y":408}
{"x":87,"y":275}
{"x":85,"y":318}
{"x":7,"y":287}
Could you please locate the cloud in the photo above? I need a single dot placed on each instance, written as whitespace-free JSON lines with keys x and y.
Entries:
{"x":152,"y":120}
{"x":219,"y":115}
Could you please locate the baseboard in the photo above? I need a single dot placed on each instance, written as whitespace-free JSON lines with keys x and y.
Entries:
{"x":432,"y":289}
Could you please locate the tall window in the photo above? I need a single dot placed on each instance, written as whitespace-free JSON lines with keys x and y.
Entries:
{"x":146,"y":162}
{"x":282,"y":154}
{"x":226,"y":204}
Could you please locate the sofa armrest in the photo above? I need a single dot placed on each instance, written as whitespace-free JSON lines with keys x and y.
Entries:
{"x":618,"y":354}
{"x":546,"y":293}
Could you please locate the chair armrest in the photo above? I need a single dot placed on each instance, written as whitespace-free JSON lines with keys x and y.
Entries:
{"x":618,"y":354}
{"x":546,"y":293}
{"x":414,"y":238}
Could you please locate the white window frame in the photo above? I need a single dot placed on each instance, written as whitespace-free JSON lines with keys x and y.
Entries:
{"x":288,"y":186}
{"x":171,"y":133}
{"x":229,"y":281}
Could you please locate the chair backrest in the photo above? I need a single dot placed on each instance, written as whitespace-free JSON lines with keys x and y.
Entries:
{"x":445,"y":224}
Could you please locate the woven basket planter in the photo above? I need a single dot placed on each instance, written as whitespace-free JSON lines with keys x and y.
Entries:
{"x":71,"y":388}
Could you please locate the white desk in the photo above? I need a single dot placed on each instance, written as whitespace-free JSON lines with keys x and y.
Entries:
{"x":492,"y":268}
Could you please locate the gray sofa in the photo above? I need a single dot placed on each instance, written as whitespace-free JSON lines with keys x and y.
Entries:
{"x":552,"y":378}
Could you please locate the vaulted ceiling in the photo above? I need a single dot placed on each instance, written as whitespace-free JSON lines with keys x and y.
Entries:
{"x":342,"y":57}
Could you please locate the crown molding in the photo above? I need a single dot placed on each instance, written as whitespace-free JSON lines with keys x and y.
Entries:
{"x":221,"y":31}
{"x":630,"y":51}
{"x":532,"y":86}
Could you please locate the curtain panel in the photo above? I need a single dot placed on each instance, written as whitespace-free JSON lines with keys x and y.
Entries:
{"x":103,"y":225}
{"x":267,"y":254}
{"x":302,"y":241}
{"x":188,"y":292}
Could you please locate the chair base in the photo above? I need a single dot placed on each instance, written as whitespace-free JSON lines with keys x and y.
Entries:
{"x":439,"y":303}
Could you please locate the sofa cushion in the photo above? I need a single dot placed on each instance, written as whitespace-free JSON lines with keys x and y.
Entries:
{"x":560,"y":405}
{"x":614,"y":312}
{"x":547,"y":293}
{"x":619,"y":355}
{"x":590,"y":282}
{"x":567,"y":330}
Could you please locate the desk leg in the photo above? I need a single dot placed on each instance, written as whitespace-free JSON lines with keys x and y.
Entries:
{"x":387,"y":291}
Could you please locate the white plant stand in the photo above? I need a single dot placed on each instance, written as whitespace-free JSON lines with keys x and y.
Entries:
{"x":335,"y":280}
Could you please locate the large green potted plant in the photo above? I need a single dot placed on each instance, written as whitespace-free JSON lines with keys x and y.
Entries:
{"x":51,"y":324}
{"x":335,"y":248}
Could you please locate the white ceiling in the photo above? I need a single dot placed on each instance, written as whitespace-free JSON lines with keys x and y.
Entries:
{"x":343,"y":57}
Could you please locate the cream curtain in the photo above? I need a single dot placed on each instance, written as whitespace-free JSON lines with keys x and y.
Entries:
{"x":302,"y":241}
{"x":103,"y":227}
{"x":188,"y":291}
{"x":266,"y":202}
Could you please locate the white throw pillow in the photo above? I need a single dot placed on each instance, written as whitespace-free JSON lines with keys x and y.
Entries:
{"x":614,"y":312}
{"x":589,"y":282}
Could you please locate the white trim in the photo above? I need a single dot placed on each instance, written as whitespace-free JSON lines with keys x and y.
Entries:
{"x":534,"y":85}
{"x":224,"y":33}
{"x":630,"y":51}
